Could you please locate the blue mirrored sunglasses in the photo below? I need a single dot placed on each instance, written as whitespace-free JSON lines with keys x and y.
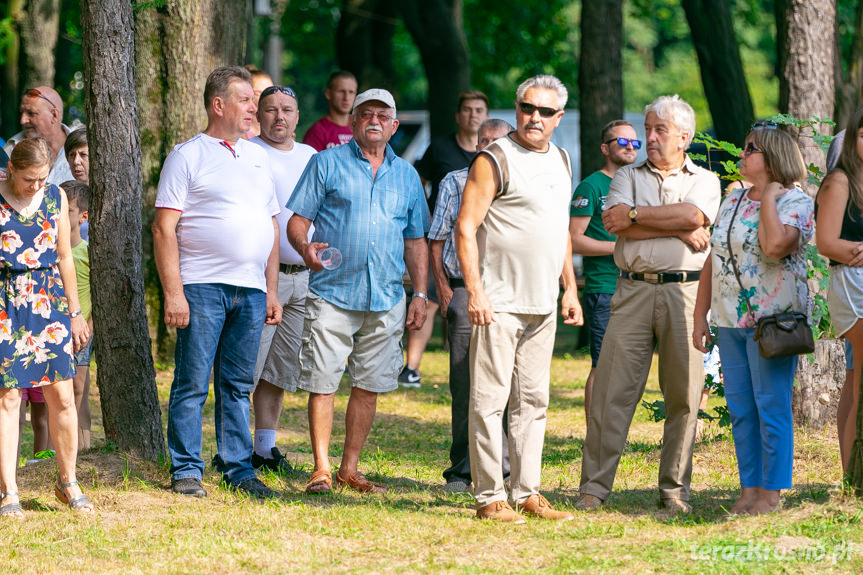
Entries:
{"x":623,"y":142}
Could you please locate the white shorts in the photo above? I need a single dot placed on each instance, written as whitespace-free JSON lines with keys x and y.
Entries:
{"x":845,"y":297}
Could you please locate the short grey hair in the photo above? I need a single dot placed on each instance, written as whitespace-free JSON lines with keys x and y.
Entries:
{"x":547,"y":82}
{"x":674,"y":109}
{"x":496,"y":125}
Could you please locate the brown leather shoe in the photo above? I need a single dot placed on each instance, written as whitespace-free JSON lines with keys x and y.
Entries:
{"x":538,"y":506}
{"x":674,"y":506}
{"x":587,"y":502}
{"x":358,"y":482}
{"x":499,"y":511}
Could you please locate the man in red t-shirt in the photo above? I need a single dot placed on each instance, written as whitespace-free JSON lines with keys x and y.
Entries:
{"x":333,"y":129}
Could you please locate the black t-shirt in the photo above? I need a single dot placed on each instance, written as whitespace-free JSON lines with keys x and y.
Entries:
{"x":443,"y":156}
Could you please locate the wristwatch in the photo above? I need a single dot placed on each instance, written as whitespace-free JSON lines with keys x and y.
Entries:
{"x":75,"y":313}
{"x":422,"y":296}
{"x":633,"y":214}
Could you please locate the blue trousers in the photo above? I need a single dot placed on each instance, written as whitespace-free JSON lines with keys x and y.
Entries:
{"x":758,"y":392}
{"x":223,"y":335}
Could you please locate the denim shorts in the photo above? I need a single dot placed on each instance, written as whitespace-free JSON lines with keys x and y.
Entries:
{"x":83,"y":356}
{"x":597,"y":310}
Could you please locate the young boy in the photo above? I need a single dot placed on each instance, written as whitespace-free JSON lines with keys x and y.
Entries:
{"x":78,"y":196}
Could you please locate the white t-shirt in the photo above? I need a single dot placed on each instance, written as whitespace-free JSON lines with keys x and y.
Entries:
{"x":287,"y":167}
{"x":227,"y":199}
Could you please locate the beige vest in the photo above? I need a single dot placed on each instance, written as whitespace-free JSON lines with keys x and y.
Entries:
{"x":522,"y":241}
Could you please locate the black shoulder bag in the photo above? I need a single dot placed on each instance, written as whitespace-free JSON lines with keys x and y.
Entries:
{"x":779,"y":335}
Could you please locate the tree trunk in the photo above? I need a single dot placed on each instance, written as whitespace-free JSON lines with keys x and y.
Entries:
{"x":815,"y":397}
{"x":436,"y":28}
{"x":39,"y":28}
{"x":126,"y":378}
{"x":364,"y":42}
{"x":177,"y":45}
{"x":600,"y":76}
{"x":721,"y":68}
{"x":10,"y":92}
{"x":849,"y":86}
{"x":807,"y":31}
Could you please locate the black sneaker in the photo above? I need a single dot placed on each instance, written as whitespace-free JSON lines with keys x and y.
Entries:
{"x":409,"y":377}
{"x":189,"y":486}
{"x":276,"y":463}
{"x":254,"y":487}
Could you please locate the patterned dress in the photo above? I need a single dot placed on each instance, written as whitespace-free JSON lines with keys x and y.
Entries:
{"x":35,"y":330}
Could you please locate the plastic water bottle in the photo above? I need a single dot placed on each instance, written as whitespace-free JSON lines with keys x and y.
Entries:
{"x":331,"y":258}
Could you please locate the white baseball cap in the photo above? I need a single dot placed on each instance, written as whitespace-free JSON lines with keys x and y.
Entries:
{"x":378,"y":94}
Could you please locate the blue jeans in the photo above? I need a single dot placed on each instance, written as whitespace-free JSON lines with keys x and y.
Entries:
{"x":758,"y":393}
{"x":223,"y":334}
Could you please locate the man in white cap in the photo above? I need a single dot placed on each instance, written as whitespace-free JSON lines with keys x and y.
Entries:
{"x":368,"y":203}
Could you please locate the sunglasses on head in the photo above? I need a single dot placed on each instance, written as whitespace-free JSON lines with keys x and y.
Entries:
{"x":529,"y":109}
{"x":34,"y":93}
{"x":765,"y":125}
{"x":273,"y":89}
{"x":623,"y":142}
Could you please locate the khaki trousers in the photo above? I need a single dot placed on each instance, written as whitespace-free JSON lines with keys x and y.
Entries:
{"x":510,"y":360}
{"x":645,"y":315}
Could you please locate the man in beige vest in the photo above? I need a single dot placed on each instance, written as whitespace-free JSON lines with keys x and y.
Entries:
{"x":513,"y":245}
{"x":659,"y":209}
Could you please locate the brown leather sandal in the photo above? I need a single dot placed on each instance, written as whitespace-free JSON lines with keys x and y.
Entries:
{"x":358,"y":482}
{"x":320,"y":482}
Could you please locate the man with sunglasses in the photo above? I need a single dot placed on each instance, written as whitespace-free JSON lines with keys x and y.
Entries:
{"x":368,"y":203}
{"x":276,"y":366}
{"x":513,"y":244}
{"x":42,"y":116}
{"x":659,"y":209}
{"x":589,"y":238}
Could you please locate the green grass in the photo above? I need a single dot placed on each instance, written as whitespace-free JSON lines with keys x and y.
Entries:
{"x":140,"y":527}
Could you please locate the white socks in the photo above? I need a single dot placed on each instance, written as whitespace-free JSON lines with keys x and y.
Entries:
{"x":265,"y":441}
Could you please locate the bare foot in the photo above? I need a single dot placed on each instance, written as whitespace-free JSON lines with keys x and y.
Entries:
{"x":748,"y":497}
{"x":767,"y":502}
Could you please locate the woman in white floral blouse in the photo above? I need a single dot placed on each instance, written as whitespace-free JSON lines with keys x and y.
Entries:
{"x":770,"y":223}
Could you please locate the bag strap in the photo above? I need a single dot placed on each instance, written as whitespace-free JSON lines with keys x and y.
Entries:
{"x":733,"y":259}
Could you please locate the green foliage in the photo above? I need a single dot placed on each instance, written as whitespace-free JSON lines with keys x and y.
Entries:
{"x":7,"y":36}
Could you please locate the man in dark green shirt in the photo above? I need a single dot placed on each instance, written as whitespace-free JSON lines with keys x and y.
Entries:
{"x":589,"y":238}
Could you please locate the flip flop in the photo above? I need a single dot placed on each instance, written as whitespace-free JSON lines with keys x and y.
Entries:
{"x":320,"y":482}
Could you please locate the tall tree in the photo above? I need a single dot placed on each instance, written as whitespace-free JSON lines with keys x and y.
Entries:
{"x":600,"y":76}
{"x":177,"y":44}
{"x":10,"y":92}
{"x":805,"y":47}
{"x":438,"y":31}
{"x":126,"y":377}
{"x":364,"y":41}
{"x":721,"y":68}
{"x":849,"y":82}
{"x":38,"y":28}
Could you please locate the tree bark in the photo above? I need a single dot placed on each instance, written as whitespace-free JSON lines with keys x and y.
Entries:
{"x":815,"y":396}
{"x":436,"y":28}
{"x":806,"y":83}
{"x":10,"y":92}
{"x":600,"y":76}
{"x":364,"y":42}
{"x":721,"y":68}
{"x":39,"y":27}
{"x":126,"y":377}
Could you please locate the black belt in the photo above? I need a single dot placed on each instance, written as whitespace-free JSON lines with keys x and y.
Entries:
{"x":291,"y":269}
{"x":456,"y":283}
{"x":662,"y":277}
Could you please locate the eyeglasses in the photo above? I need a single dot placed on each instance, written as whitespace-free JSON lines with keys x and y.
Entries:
{"x":529,"y":109}
{"x":623,"y":142}
{"x":750,"y":149}
{"x":273,"y":89}
{"x":765,"y":125}
{"x":34,"y":93}
{"x":368,"y":115}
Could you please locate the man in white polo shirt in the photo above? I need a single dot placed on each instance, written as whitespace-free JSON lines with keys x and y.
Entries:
{"x":278,"y":354}
{"x":217,"y":252}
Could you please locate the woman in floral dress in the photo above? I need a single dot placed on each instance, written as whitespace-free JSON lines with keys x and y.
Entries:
{"x":770,"y":223}
{"x":40,"y":321}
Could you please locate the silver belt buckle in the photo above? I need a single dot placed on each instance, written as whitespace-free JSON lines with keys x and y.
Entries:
{"x":651,"y":278}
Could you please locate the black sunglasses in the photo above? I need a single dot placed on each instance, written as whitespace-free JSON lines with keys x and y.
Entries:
{"x":34,"y":93}
{"x":623,"y":142}
{"x":273,"y":89}
{"x":529,"y":109}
